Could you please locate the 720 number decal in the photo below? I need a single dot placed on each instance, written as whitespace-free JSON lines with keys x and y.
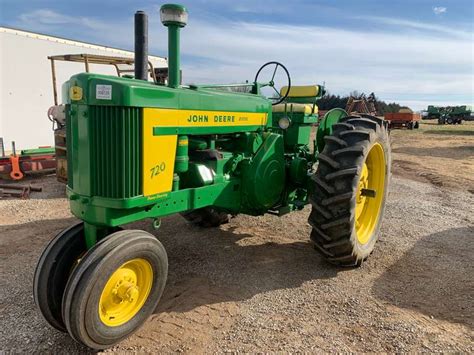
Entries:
{"x":157,"y":169}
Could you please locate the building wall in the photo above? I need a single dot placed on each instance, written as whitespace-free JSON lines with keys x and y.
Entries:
{"x":26,"y":90}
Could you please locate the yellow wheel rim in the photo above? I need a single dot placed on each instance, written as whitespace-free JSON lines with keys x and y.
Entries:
{"x":125,"y":292}
{"x":370,"y":193}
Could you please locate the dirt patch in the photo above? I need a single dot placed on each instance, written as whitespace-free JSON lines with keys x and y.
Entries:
{"x":442,"y":155}
{"x":451,"y":132}
{"x":458,"y":153}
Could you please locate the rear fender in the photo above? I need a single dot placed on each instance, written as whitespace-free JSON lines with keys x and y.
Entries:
{"x":325,"y":126}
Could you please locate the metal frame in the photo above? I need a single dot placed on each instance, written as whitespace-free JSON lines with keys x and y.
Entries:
{"x":94,"y":59}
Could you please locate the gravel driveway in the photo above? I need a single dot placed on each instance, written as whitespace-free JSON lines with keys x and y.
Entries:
{"x":256,"y":284}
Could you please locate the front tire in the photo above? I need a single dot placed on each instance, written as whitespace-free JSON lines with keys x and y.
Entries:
{"x":115,"y":288}
{"x":349,"y":190}
{"x":52,"y":272}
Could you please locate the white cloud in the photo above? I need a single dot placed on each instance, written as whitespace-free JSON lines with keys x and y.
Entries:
{"x":46,"y":18}
{"x":427,"y":28}
{"x":406,"y":59}
{"x":391,"y":64}
{"x":438,"y":10}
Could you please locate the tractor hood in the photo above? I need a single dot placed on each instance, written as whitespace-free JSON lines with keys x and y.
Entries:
{"x":104,"y":90}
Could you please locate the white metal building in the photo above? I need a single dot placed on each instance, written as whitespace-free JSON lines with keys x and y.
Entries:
{"x":26,"y":90}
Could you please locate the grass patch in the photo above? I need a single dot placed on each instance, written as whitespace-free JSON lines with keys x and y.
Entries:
{"x":464,"y":129}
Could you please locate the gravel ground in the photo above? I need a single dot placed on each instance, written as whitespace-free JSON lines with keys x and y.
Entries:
{"x":257,"y":285}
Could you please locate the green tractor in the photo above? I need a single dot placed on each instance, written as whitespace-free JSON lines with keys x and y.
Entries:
{"x":449,"y":114}
{"x":138,"y":149}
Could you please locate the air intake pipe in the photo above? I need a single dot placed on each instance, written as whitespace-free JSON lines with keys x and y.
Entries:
{"x":141,"y":45}
{"x":174,"y":17}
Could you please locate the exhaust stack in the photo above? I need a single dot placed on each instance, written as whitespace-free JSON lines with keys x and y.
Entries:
{"x":174,"y":17}
{"x":141,"y":45}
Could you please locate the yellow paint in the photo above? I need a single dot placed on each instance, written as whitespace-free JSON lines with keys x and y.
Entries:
{"x":125,"y":292}
{"x":183,"y":141}
{"x":300,"y":91}
{"x":306,"y":108}
{"x":157,"y":197}
{"x":159,"y":153}
{"x":196,"y":118}
{"x":75,"y":93}
{"x":368,"y":208}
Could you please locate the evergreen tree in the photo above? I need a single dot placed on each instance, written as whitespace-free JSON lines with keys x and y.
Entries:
{"x":330,"y":101}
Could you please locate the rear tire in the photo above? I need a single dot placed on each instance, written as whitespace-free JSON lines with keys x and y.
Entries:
{"x":206,"y":217}
{"x":355,"y":158}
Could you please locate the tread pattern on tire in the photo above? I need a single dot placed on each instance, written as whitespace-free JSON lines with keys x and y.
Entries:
{"x":52,"y":271}
{"x":334,"y":188}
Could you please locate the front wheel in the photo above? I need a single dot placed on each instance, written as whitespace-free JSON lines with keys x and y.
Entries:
{"x":349,"y":190}
{"x":115,"y":288}
{"x":52,"y":272}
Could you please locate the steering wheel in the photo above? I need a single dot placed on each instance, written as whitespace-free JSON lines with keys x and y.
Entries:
{"x":279,"y":98}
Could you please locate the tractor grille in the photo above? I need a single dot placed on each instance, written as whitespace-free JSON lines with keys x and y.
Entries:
{"x":115,"y":151}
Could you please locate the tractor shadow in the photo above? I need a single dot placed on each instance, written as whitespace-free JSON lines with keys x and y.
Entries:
{"x":435,"y":277}
{"x":215,"y":265}
{"x":206,"y":267}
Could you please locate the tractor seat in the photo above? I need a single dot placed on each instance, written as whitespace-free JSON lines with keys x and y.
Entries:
{"x":300,"y":99}
{"x":308,"y":109}
{"x":306,"y":91}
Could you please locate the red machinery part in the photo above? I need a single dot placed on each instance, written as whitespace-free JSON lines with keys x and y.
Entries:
{"x":15,"y":173}
{"x":402,"y":119}
{"x":16,"y":166}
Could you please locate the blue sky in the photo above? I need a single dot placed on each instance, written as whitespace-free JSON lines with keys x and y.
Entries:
{"x":414,"y":52}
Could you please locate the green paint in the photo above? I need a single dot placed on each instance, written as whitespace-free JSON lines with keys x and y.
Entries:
{"x":99,"y":212}
{"x":239,"y":169}
{"x":436,"y":112}
{"x":173,"y":56}
{"x":263,"y":177}
{"x":298,"y":170}
{"x":182,"y":158}
{"x":90,"y":233}
{"x":38,"y":151}
{"x":325,"y":126}
{"x":138,"y":93}
{"x":161,"y":131}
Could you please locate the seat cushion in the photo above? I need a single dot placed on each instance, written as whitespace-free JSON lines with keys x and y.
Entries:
{"x":301,"y":91}
{"x":305,"y":108}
